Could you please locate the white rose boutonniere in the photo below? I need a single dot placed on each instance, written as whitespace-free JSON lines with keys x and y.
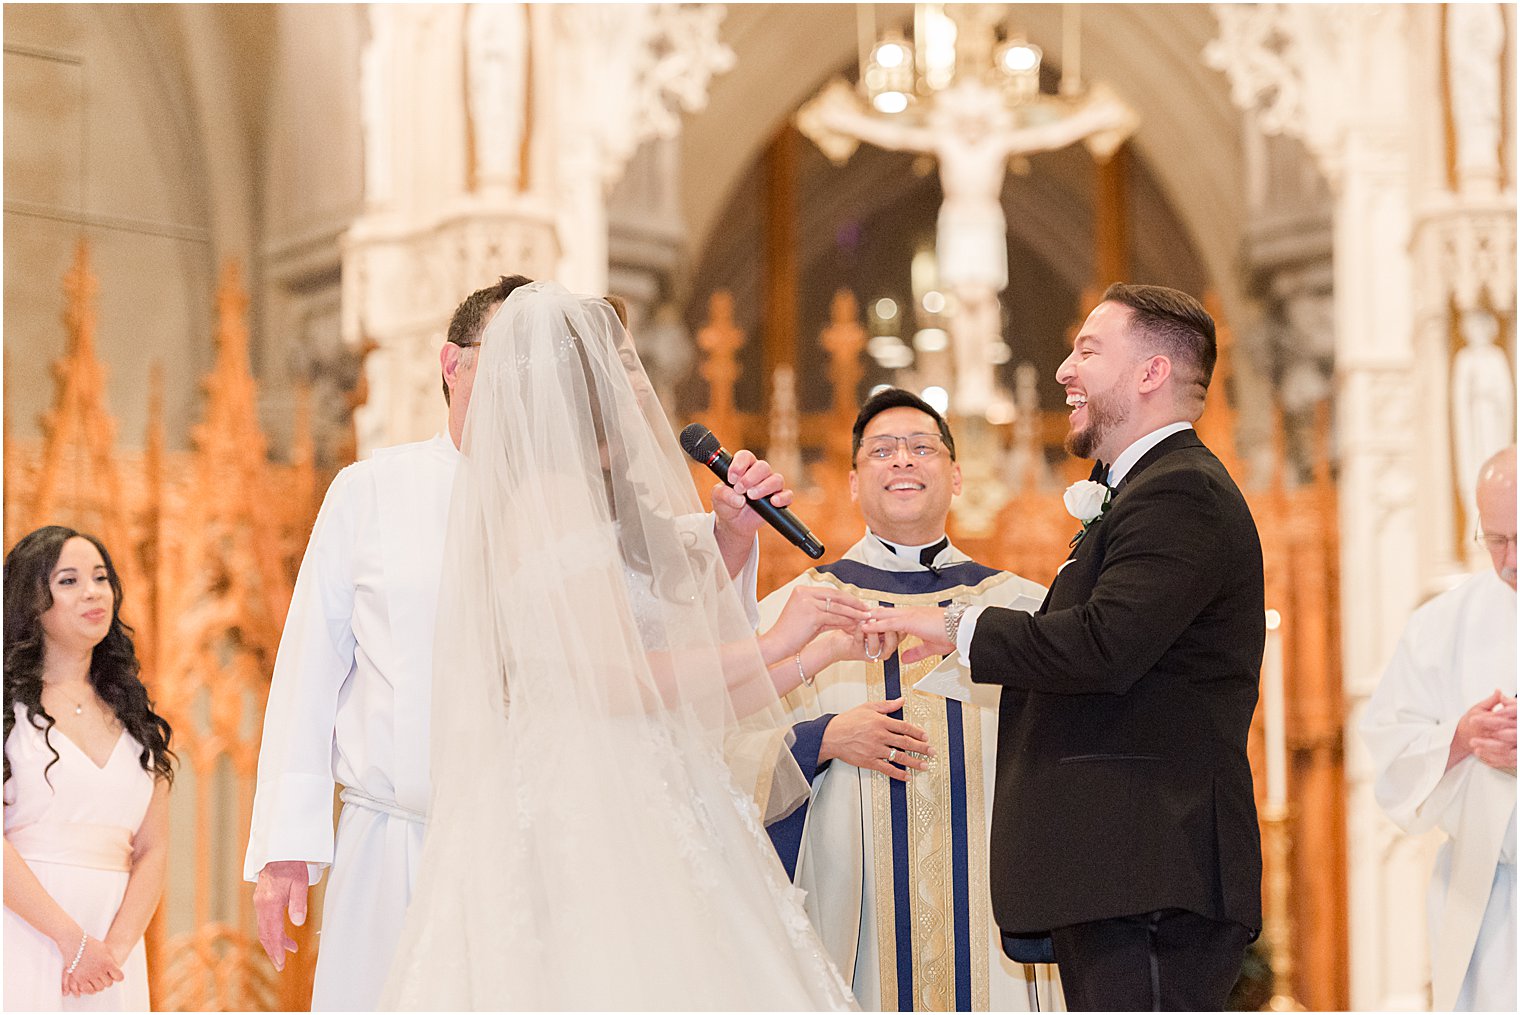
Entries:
{"x":1086,"y":500}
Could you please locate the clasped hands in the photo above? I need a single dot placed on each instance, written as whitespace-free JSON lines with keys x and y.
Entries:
{"x":98,"y":967}
{"x":927,"y":623}
{"x":1487,"y":732}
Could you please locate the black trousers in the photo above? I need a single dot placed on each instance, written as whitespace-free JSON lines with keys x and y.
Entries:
{"x":1168,"y":960}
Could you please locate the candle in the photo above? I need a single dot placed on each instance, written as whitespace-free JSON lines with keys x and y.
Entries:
{"x":1071,"y":49}
{"x":1274,"y":712}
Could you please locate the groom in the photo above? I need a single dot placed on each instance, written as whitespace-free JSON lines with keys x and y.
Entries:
{"x":1127,"y":699}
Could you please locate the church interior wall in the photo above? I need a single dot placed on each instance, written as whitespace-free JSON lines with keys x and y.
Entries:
{"x":101,"y":141}
{"x":1190,"y":132}
{"x":311,"y":185}
{"x":174,"y":137}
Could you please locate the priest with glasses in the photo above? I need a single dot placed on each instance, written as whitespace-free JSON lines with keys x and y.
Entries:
{"x":891,"y":847}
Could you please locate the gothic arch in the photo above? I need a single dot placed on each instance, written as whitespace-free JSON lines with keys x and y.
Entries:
{"x":1190,"y":134}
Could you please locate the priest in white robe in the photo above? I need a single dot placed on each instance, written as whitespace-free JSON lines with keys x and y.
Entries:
{"x":1441,"y":730}
{"x":891,"y":847}
{"x":350,"y":700}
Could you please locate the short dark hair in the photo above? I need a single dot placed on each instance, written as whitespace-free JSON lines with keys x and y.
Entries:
{"x":470,"y":317}
{"x":1174,"y":321}
{"x":897,"y":398}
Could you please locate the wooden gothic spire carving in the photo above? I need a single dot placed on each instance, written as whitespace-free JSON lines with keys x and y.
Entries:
{"x":78,"y":484}
{"x":226,"y":590}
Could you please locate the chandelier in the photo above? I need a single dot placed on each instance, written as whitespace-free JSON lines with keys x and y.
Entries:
{"x":897,"y":75}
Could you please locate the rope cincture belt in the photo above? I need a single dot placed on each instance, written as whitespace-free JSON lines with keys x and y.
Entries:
{"x":359,"y":798}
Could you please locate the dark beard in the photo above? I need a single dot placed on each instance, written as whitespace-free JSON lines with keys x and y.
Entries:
{"x":1080,"y":443}
{"x":1102,"y":419}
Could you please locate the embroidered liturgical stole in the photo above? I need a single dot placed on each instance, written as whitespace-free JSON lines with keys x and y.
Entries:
{"x":930,"y":833}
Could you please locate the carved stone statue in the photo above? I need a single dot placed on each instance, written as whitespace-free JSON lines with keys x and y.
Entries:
{"x":973,"y":133}
{"x":1474,"y":58}
{"x":375,"y":106}
{"x":783,"y":450}
{"x":1482,"y":402}
{"x":666,"y":348}
{"x":1026,"y":463}
{"x":496,"y":65}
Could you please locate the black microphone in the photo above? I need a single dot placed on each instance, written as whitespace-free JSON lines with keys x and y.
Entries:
{"x":698,"y":442}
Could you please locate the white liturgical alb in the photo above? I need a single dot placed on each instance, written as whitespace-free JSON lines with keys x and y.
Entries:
{"x":350,"y":704}
{"x":1456,"y":650}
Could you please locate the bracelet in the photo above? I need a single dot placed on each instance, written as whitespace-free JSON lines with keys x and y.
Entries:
{"x":807,"y":681}
{"x":953,"y":614}
{"x":79,"y":954}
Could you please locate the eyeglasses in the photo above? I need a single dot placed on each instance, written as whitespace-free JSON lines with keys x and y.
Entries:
{"x":919,"y":445}
{"x":1493,"y":542}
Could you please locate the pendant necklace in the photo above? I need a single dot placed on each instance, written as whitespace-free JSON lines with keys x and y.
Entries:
{"x":78,"y":705}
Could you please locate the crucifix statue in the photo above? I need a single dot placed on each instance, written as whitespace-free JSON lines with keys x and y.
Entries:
{"x":971,"y":129}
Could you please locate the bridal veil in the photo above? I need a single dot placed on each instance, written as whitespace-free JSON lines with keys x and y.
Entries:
{"x":606,"y":737}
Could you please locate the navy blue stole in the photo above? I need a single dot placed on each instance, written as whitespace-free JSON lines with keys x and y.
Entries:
{"x":929,"y":835}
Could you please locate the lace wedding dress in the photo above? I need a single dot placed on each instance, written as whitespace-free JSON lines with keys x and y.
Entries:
{"x":606,"y":737}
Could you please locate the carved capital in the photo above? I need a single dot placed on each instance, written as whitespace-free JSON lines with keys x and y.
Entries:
{"x":1310,"y":70}
{"x":402,"y":281}
{"x":1467,"y":254}
{"x":633,"y":69}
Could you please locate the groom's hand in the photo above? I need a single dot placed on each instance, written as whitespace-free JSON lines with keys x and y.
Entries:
{"x":927,"y":623}
{"x":281,"y":889}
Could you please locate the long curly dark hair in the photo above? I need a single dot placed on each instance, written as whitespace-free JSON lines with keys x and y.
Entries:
{"x":113,"y":665}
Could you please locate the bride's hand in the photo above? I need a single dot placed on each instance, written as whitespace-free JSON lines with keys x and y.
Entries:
{"x":836,"y":646}
{"x":808,"y":612}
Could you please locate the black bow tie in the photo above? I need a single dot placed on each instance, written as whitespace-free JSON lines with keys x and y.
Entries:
{"x":1099,"y":473}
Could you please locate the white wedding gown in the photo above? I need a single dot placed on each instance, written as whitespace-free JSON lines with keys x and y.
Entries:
{"x":590,"y":845}
{"x":546,"y":890}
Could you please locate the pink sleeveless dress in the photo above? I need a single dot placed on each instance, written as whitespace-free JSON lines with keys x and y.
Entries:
{"x":74,"y":828}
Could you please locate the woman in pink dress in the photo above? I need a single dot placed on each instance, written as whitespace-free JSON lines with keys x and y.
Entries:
{"x":87,"y":774}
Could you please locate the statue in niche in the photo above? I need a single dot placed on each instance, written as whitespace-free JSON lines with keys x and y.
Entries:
{"x":1474,"y":60}
{"x":375,"y":107}
{"x":1306,"y":357}
{"x":1027,"y":469}
{"x":1482,"y":402}
{"x":783,"y":450}
{"x":496,"y":61}
{"x":973,"y":133}
{"x":665,"y":346}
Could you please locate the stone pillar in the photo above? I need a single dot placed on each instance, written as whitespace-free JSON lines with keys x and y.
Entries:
{"x":1360,"y":86}
{"x":446,"y":211}
{"x":477,"y":166}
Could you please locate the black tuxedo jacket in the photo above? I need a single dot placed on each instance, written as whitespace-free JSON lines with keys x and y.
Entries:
{"x":1123,"y":785}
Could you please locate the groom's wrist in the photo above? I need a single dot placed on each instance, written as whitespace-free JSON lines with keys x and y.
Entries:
{"x":965,"y":633}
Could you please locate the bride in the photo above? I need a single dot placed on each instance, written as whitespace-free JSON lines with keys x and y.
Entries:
{"x":607,"y":736}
